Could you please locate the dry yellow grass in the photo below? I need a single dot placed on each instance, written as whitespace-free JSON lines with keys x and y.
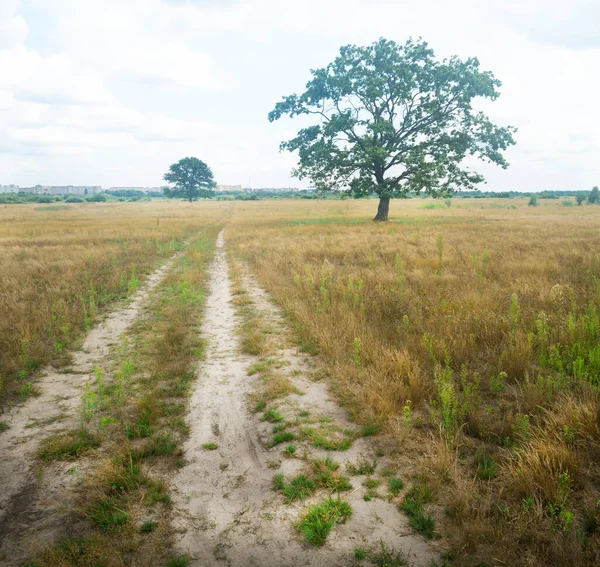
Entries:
{"x":61,"y":266}
{"x":473,"y":333}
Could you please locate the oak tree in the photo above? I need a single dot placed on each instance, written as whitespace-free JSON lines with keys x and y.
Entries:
{"x":191,"y":179}
{"x":394,"y":121}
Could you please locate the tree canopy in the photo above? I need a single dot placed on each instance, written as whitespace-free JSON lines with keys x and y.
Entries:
{"x":191,"y":179}
{"x":394,"y":121}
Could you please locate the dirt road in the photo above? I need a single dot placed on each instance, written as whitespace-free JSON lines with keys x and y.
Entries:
{"x":35,"y":502}
{"x":226,"y":510}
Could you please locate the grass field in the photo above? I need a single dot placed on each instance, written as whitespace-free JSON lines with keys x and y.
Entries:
{"x":469,"y":335}
{"x":61,"y":266}
{"x":464,"y":337}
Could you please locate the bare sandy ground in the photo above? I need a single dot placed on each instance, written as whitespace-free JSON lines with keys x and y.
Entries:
{"x":226,"y":511}
{"x":35,"y":502}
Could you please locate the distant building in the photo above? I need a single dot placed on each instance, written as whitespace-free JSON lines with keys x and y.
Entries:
{"x":68,"y":189}
{"x":9,"y":188}
{"x":142,"y":189}
{"x":230,"y":188}
{"x":272,"y":189}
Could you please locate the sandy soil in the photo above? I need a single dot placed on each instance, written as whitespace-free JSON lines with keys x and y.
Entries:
{"x":226,"y":511}
{"x":35,"y":502}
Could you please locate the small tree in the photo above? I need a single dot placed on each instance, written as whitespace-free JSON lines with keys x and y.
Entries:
{"x":580,"y":198}
{"x":533,"y":201}
{"x":394,"y":121}
{"x":192,"y":179}
{"x":594,"y":196}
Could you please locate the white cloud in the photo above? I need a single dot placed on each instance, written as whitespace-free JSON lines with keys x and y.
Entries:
{"x":133,"y":40}
{"x":13,"y":27}
{"x":130,"y":86}
{"x":574,"y":24}
{"x":53,"y":80}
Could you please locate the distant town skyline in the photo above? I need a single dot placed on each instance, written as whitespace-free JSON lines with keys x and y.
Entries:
{"x":114,"y":92}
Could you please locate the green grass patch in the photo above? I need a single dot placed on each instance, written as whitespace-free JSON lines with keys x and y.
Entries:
{"x":148,"y":526}
{"x":271,"y":415}
{"x":108,"y":513}
{"x":290,"y":450}
{"x":485,"y":465}
{"x":395,"y":485}
{"x":412,"y":506}
{"x":67,"y":446}
{"x":281,"y":437}
{"x":326,"y":439}
{"x":298,"y":488}
{"x":179,"y":561}
{"x":210,"y":446}
{"x":318,"y":520}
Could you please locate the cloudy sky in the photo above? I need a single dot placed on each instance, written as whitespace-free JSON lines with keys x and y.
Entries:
{"x":110,"y":92}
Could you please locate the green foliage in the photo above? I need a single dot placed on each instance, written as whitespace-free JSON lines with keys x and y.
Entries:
{"x":179,"y":561}
{"x":281,"y":437}
{"x":396,"y":485}
{"x":533,"y":201}
{"x":594,"y":196}
{"x":191,"y":178}
{"x":148,"y":526}
{"x":66,"y":446}
{"x":271,"y":415}
{"x":298,"y":488}
{"x":412,"y":506}
{"x":210,"y":446}
{"x":485,"y":465}
{"x":290,"y":450}
{"x":320,"y":518}
{"x":392,"y":120}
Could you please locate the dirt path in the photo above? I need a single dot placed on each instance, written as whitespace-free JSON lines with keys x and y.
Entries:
{"x":34,"y":502}
{"x":226,"y":510}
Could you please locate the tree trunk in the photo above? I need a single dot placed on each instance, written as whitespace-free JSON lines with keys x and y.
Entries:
{"x":383,"y":209}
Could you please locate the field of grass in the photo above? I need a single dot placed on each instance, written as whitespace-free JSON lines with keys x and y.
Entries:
{"x":61,"y":266}
{"x":470,"y":335}
{"x":132,"y":427}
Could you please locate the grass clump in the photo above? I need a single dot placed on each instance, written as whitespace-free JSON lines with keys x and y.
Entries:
{"x":485,"y":465}
{"x":362,"y":467}
{"x":318,"y":520}
{"x":272,"y":416}
{"x":210,"y":446}
{"x":395,"y":485}
{"x":179,"y":561}
{"x":412,"y":506}
{"x":290,"y":450}
{"x":327,"y":439}
{"x":281,"y":437}
{"x":382,"y":556}
{"x":298,"y":488}
{"x":148,"y":526}
{"x":108,"y":513}
{"x":67,"y":446}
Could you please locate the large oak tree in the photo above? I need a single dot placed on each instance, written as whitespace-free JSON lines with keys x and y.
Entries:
{"x":394,"y":121}
{"x":191,"y":179}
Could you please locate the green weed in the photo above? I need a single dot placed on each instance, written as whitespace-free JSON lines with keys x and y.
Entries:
{"x":320,"y":518}
{"x":67,"y":446}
